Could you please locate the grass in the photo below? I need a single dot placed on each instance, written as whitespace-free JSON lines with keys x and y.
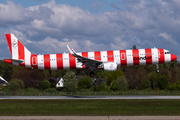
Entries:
{"x":56,"y":93}
{"x":88,"y":107}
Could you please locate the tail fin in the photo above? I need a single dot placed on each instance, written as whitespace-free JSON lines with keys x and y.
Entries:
{"x":17,"y":49}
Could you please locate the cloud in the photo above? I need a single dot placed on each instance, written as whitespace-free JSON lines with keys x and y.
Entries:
{"x":52,"y":26}
{"x":54,"y":46}
{"x":168,"y":38}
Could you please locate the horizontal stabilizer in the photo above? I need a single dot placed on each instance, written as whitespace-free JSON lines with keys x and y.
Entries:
{"x":13,"y":61}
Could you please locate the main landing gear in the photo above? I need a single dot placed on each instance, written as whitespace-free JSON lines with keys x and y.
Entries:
{"x":91,"y":74}
{"x":157,"y":67}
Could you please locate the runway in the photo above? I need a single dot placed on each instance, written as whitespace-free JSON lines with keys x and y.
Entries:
{"x":89,"y":97}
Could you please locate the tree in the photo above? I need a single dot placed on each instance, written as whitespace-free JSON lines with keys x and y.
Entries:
{"x":13,"y":86}
{"x":153,"y":79}
{"x":50,"y":73}
{"x":20,"y":82}
{"x":147,"y":84}
{"x":122,"y":83}
{"x":70,"y":82}
{"x":69,"y":76}
{"x":134,"y":47}
{"x":1,"y":70}
{"x":8,"y":73}
{"x":102,"y":87}
{"x":163,"y":82}
{"x":70,"y":86}
{"x":114,"y":85}
{"x":85,"y":82}
{"x":53,"y":82}
{"x":113,"y":76}
{"x":31,"y":78}
{"x":45,"y":84}
{"x":102,"y":73}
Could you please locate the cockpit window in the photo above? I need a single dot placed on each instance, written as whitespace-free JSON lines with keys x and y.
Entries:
{"x":167,"y":52}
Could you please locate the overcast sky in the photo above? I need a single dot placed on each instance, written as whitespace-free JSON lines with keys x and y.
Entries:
{"x":47,"y":26}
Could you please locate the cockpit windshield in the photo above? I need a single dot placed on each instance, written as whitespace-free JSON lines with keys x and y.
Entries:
{"x":167,"y":52}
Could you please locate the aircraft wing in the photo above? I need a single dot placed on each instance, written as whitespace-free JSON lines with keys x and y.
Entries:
{"x":91,"y":63}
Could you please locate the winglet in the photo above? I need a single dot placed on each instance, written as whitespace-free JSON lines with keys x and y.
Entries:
{"x":71,"y":50}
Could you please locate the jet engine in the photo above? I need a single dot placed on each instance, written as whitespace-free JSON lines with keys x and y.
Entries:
{"x":110,"y":66}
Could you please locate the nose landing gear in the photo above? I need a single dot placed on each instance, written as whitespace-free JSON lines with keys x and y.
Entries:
{"x":157,"y":67}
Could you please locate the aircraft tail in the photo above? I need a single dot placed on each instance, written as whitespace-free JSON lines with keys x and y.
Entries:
{"x":17,"y":49}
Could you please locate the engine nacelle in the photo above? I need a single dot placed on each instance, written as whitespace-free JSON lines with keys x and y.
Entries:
{"x":110,"y":66}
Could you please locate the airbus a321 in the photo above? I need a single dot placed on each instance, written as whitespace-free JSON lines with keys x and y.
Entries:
{"x":107,"y":60}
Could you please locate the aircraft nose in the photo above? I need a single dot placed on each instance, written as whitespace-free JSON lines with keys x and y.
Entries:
{"x":173,"y":57}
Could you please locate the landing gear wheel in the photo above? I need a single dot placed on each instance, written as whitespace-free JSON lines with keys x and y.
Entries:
{"x":157,"y":67}
{"x":91,"y":74}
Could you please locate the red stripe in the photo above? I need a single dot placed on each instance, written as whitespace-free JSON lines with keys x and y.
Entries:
{"x":148,"y":53}
{"x":135,"y":57}
{"x":123,"y":57}
{"x":34,"y":62}
{"x":84,"y":54}
{"x":21,"y":52}
{"x":161,"y":57}
{"x":47,"y":64}
{"x":72,"y":61}
{"x":8,"y":37}
{"x":59,"y":61}
{"x":110,"y":56}
{"x":97,"y":55}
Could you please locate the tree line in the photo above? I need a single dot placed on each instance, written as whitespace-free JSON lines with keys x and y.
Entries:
{"x":125,"y":78}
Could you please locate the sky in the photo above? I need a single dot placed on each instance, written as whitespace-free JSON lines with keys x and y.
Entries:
{"x":47,"y":26}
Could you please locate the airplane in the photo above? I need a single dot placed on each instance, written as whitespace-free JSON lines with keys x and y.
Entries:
{"x":107,"y":60}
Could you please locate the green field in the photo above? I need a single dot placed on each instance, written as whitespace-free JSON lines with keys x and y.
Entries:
{"x":88,"y":107}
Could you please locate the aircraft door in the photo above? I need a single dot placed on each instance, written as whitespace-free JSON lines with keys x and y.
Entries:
{"x":123,"y":57}
{"x":34,"y":60}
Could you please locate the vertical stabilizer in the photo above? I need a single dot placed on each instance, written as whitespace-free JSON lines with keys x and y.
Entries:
{"x":17,"y":49}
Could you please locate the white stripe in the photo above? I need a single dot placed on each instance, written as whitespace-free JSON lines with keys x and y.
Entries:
{"x":91,"y":55}
{"x":104,"y":56}
{"x":78,"y":64}
{"x":27,"y":57}
{"x":14,"y":44}
{"x":167,"y":56}
{"x":53,"y":61}
{"x":155,"y":58}
{"x":116,"y":56}
{"x":129,"y":57}
{"x":40,"y":61}
{"x":65,"y":61}
{"x":142,"y":54}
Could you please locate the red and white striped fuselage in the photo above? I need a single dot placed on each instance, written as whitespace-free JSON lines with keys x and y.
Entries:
{"x":68,"y":61}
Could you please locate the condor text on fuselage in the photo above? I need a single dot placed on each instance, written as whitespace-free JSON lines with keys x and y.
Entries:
{"x":142,"y":58}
